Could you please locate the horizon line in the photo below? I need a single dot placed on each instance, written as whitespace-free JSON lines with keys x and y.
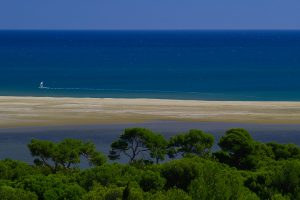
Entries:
{"x":149,"y":29}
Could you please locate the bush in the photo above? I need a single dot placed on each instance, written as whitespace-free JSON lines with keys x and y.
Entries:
{"x":180,"y":173}
{"x":151,"y":181}
{"x":51,"y":187}
{"x":9,"y":193}
{"x":12,"y":170}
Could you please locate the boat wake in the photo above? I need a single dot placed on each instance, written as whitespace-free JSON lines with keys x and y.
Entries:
{"x":136,"y":91}
{"x":42,"y":86}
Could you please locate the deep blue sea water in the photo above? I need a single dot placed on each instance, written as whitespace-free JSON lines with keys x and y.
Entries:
{"x":211,"y":65}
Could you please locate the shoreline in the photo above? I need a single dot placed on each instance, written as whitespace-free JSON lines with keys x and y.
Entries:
{"x":16,"y":111}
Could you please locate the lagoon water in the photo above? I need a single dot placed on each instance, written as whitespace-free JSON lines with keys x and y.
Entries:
{"x":13,"y":141}
{"x":210,"y":65}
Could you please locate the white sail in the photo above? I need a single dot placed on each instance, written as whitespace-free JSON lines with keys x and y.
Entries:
{"x":41,"y":85}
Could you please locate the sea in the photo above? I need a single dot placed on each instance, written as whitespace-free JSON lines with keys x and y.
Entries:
{"x":200,"y":65}
{"x":204,"y":65}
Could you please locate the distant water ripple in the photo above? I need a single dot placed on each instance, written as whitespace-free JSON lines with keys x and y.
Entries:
{"x":122,"y":90}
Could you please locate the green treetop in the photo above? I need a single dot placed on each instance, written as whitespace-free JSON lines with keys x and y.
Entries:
{"x":139,"y":143}
{"x":193,"y":142}
{"x":64,"y":154}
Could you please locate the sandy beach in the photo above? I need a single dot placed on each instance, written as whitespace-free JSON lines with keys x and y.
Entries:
{"x":49,"y":111}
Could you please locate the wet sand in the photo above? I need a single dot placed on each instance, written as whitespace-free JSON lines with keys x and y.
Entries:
{"x":54,"y":111}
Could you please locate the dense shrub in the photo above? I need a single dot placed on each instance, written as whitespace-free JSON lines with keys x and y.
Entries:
{"x":9,"y":193}
{"x":242,"y":169}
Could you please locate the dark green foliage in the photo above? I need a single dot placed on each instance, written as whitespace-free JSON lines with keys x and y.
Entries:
{"x":241,"y":151}
{"x":51,"y":187}
{"x":237,"y":143}
{"x":139,"y":143}
{"x":217,"y":182}
{"x":287,"y":179}
{"x":9,"y":193}
{"x":64,"y":154}
{"x":126,"y":192}
{"x":114,"y":193}
{"x":109,"y":174}
{"x":243,"y":169}
{"x":70,"y":191}
{"x":279,"y":179}
{"x":132,"y":143}
{"x":157,"y":145}
{"x":104,"y":193}
{"x":259,"y":182}
{"x":172,"y":194}
{"x":12,"y":170}
{"x":42,"y":149}
{"x":176,"y":194}
{"x":284,"y":151}
{"x":151,"y":181}
{"x":180,"y":173}
{"x":67,"y":152}
{"x":193,"y":142}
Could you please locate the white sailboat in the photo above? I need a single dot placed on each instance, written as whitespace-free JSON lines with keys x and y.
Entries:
{"x":42,"y":85}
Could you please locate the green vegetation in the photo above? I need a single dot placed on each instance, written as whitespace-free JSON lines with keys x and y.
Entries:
{"x":64,"y":154}
{"x":241,"y":169}
{"x":194,"y":142}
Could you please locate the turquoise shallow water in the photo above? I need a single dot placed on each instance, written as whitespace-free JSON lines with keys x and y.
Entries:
{"x":211,"y":65}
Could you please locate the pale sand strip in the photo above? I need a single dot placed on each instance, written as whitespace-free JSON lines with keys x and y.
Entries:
{"x":47,"y":111}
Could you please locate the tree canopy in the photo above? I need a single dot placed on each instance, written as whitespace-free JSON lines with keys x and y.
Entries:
{"x":242,"y":169}
{"x":193,"y":142}
{"x":64,"y":154}
{"x":139,"y":143}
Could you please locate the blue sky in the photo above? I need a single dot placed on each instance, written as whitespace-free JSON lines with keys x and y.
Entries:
{"x":149,"y":14}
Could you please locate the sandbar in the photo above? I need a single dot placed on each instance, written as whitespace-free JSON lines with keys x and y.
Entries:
{"x":55,"y":111}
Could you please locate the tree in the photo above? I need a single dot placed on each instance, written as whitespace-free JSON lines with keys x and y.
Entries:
{"x":177,"y":194}
{"x":109,"y":174}
{"x":157,"y":146}
{"x":284,"y":151}
{"x":269,"y":171}
{"x":281,"y":180}
{"x":44,"y":150}
{"x":12,"y":169}
{"x":151,"y":181}
{"x":180,"y":173}
{"x":51,"y":187}
{"x":217,"y":182}
{"x":9,"y":193}
{"x":95,"y":158}
{"x":126,"y":192}
{"x":113,"y":192}
{"x":287,"y":179}
{"x":238,"y":144}
{"x":193,"y":142}
{"x":241,"y":151}
{"x":138,"y":143}
{"x":64,"y":154}
{"x":172,"y":194}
